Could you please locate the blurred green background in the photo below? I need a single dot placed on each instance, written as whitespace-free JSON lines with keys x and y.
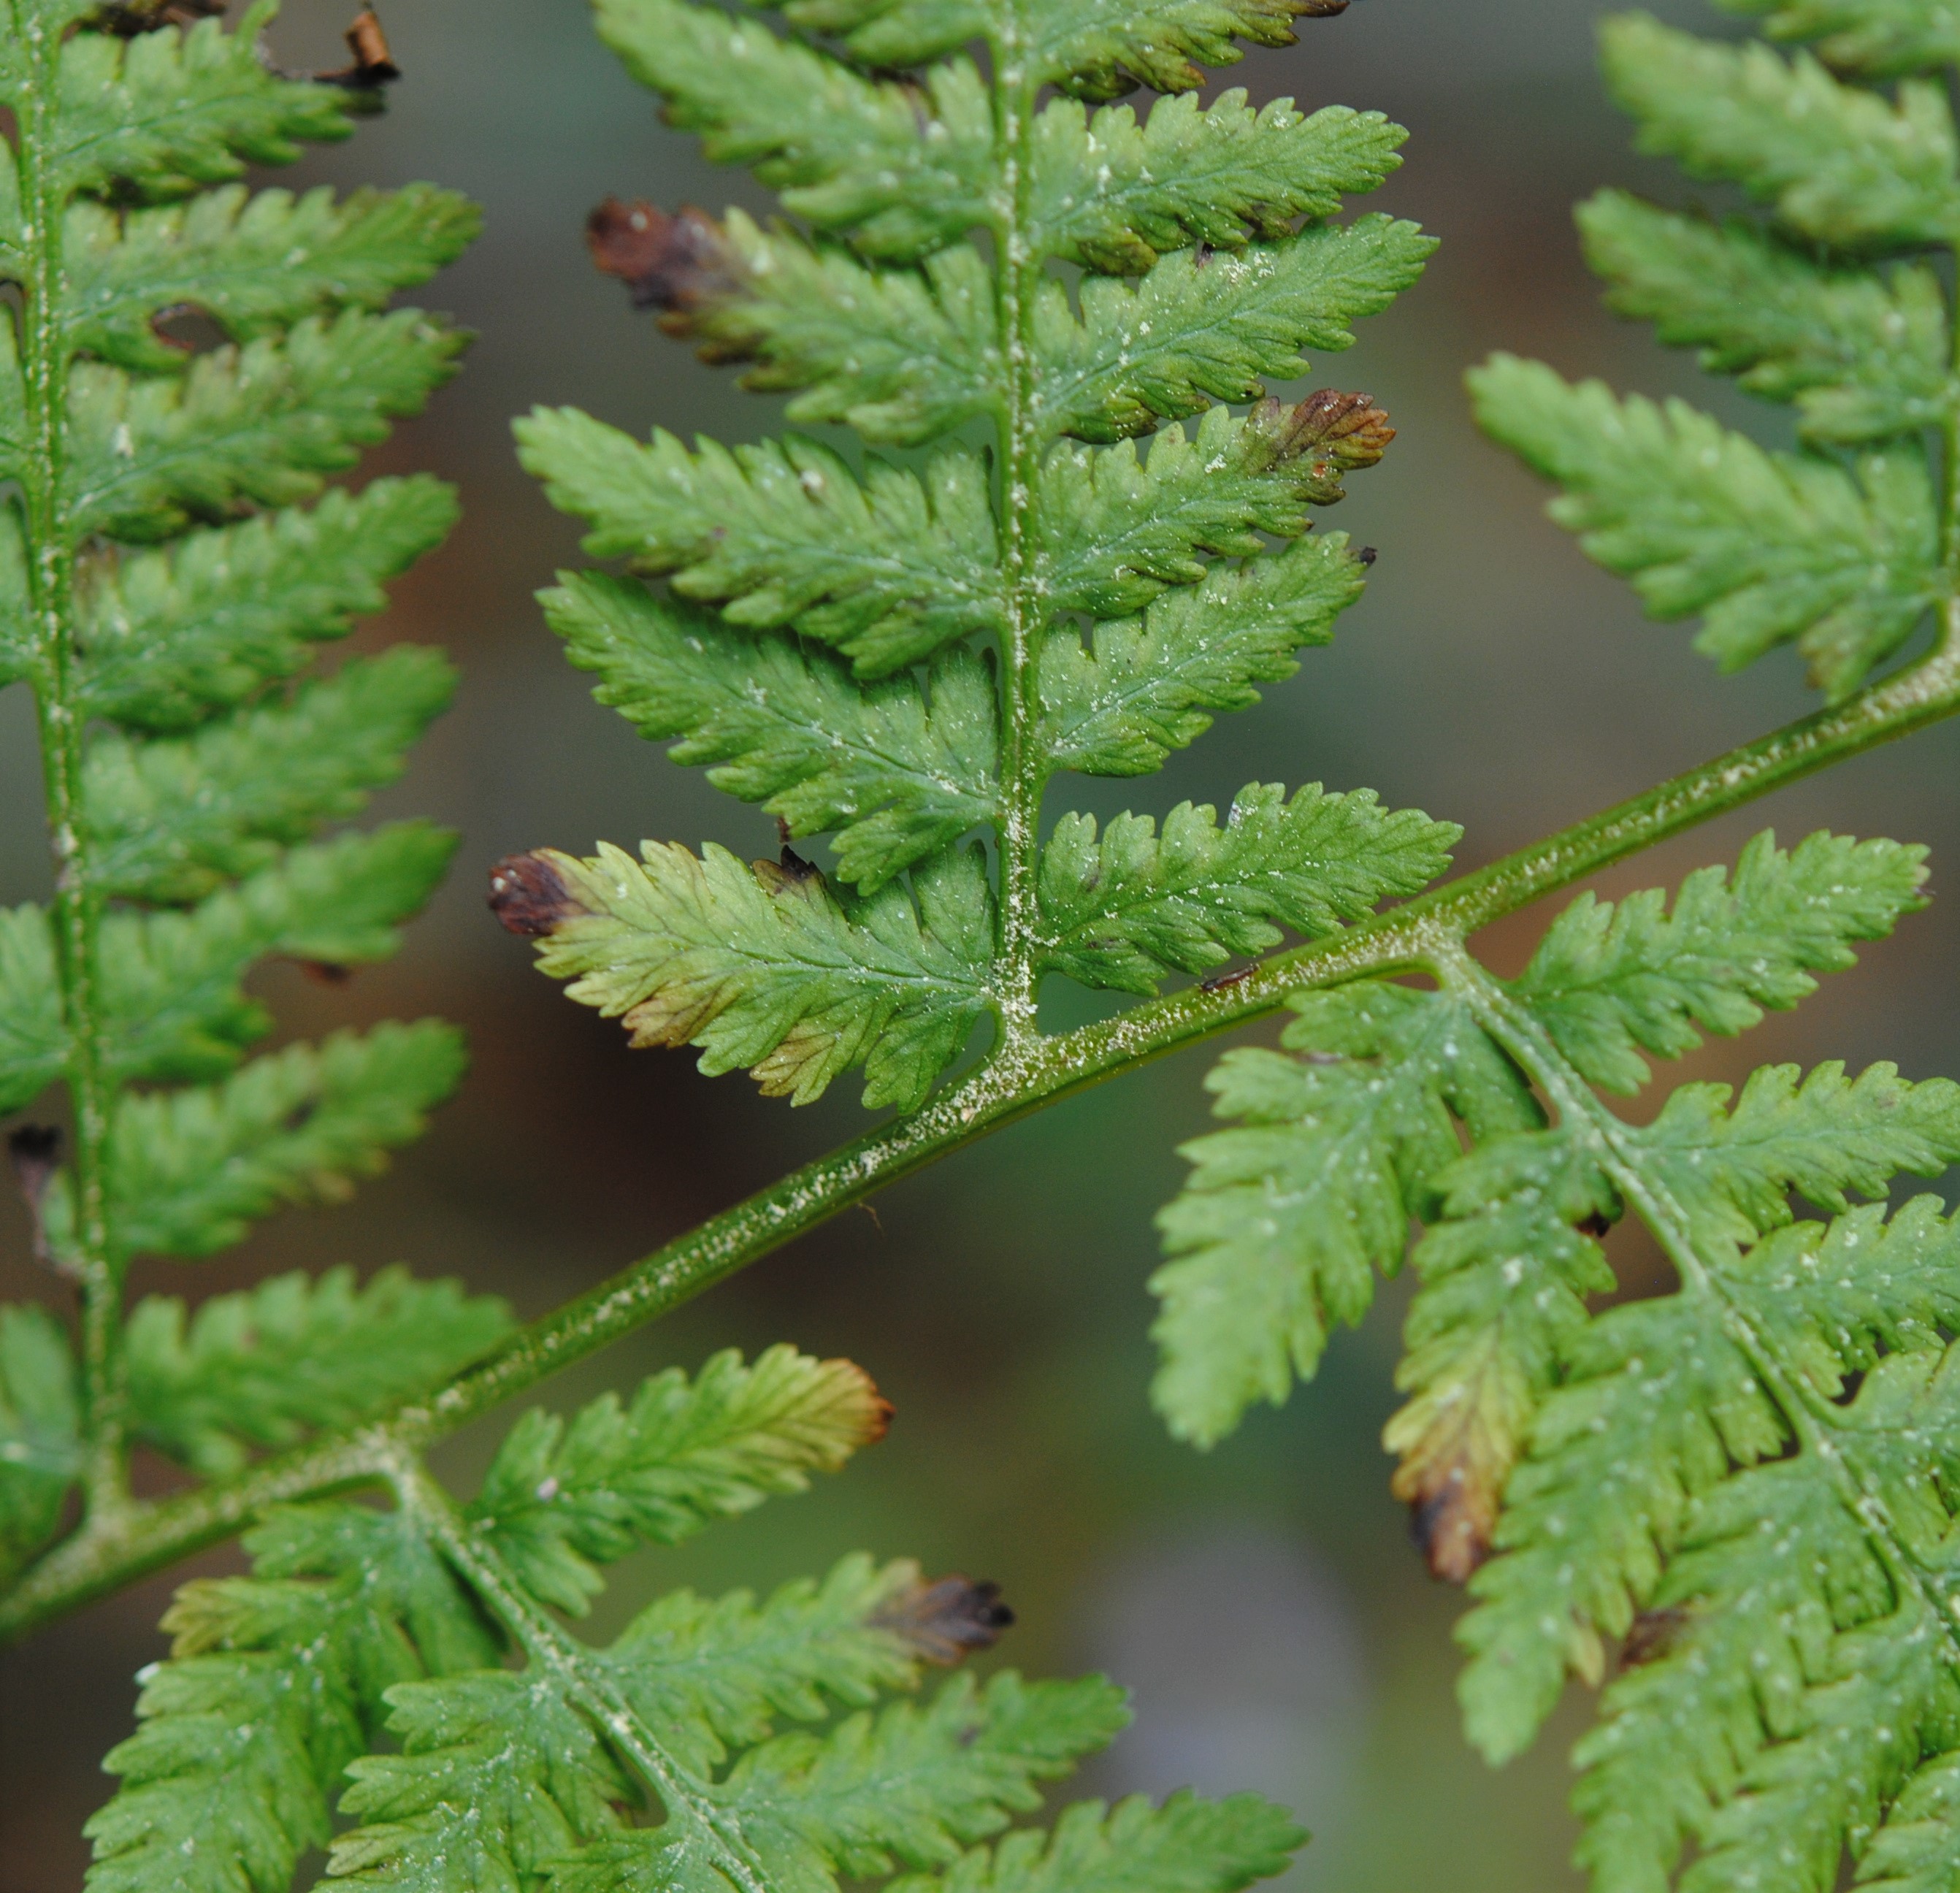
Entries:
{"x":1262,"y":1601}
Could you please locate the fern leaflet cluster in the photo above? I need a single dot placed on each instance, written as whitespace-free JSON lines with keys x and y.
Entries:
{"x":171,"y":558}
{"x":717,"y":1743}
{"x":901,"y":653}
{"x":1745,"y":1490}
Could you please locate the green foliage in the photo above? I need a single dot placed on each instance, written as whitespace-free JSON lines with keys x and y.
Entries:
{"x":897,"y":655}
{"x":261,"y":1368}
{"x":1742,"y":1485}
{"x":556,"y":1500}
{"x":162,"y":587}
{"x":274,"y":1683}
{"x":1844,"y":562}
{"x":1123,"y":911}
{"x":1841,"y":557}
{"x":40,"y":1431}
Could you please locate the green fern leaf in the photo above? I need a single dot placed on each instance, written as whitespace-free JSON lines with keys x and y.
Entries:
{"x":1660,"y":1399}
{"x":1880,"y":38}
{"x":1825,"y":1136}
{"x":1186,"y":1846}
{"x":1771,"y":547}
{"x":555,"y":1500}
{"x":1111,"y":532}
{"x":1840,"y":164}
{"x":264,"y":423}
{"x":162,"y":113}
{"x":1124,"y":912}
{"x":907,"y":1786}
{"x":1913,"y":1852}
{"x":844,"y":151}
{"x":262,"y":1368}
{"x":40,"y":1431}
{"x":1199,"y":328}
{"x":172,"y":819}
{"x":1100,"y":48}
{"x":1862,"y":356}
{"x":899,"y":770}
{"x":1144,"y":688}
{"x":194,"y":1169}
{"x":783,"y":534}
{"x":173,"y":1001}
{"x":273,"y":1685}
{"x":17,"y":647}
{"x":172,"y":636}
{"x":33,"y":1038}
{"x":1284,"y":1218}
{"x":1852,"y":1669}
{"x":1606,"y":981}
{"x":765,"y":967}
{"x":716,"y":1674}
{"x":499,"y":1781}
{"x":252,"y":263}
{"x":903,"y":355}
{"x":1109,"y":193}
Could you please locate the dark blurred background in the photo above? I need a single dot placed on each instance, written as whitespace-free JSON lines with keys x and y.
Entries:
{"x":1262,"y":1601}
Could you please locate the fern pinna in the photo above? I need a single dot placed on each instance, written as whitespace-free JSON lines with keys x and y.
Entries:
{"x":903,"y":653}
{"x":1738,"y":1499}
{"x":189,"y":363}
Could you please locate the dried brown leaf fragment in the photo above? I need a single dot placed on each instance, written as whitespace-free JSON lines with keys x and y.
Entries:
{"x":680,"y":263}
{"x":945,"y":1620}
{"x":529,"y":896}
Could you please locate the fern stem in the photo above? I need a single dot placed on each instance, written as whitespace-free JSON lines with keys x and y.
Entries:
{"x":1411,"y":937}
{"x":1017,"y":278}
{"x":77,"y":906}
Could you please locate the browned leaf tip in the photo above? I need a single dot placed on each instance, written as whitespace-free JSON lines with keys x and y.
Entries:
{"x":373,"y":65}
{"x":35,"y":1150}
{"x":1451,"y":1521}
{"x":1652,"y":1634}
{"x":679,"y":263}
{"x":529,"y":896}
{"x":944,"y":1619}
{"x":128,"y":18}
{"x":326,"y":972}
{"x":1347,"y":430}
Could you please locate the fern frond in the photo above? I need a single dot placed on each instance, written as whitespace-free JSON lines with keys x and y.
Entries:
{"x":263,"y":424}
{"x":1197,"y":328}
{"x":906,"y":171}
{"x":556,"y":1500}
{"x":251,"y":263}
{"x":262,"y":1368}
{"x":1113,"y":532}
{"x":194,"y":1169}
{"x":40,"y":1430}
{"x":783,"y":534}
{"x":1770,"y":548}
{"x":1880,"y":38}
{"x":880,"y":314}
{"x":1186,"y":1846}
{"x":1110,"y":193}
{"x":895,"y":770}
{"x":1285,"y":1219}
{"x":1838,"y":164}
{"x":1862,"y":356}
{"x":1124,"y":911}
{"x":274,"y":1683}
{"x":171,"y":636}
{"x":172,"y":819}
{"x":1143,"y":688}
{"x":1607,"y":982}
{"x":713,"y":1674}
{"x":763,"y":966}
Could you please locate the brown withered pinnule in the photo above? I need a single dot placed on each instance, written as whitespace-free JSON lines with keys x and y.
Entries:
{"x":945,"y":1620}
{"x":529,"y":896}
